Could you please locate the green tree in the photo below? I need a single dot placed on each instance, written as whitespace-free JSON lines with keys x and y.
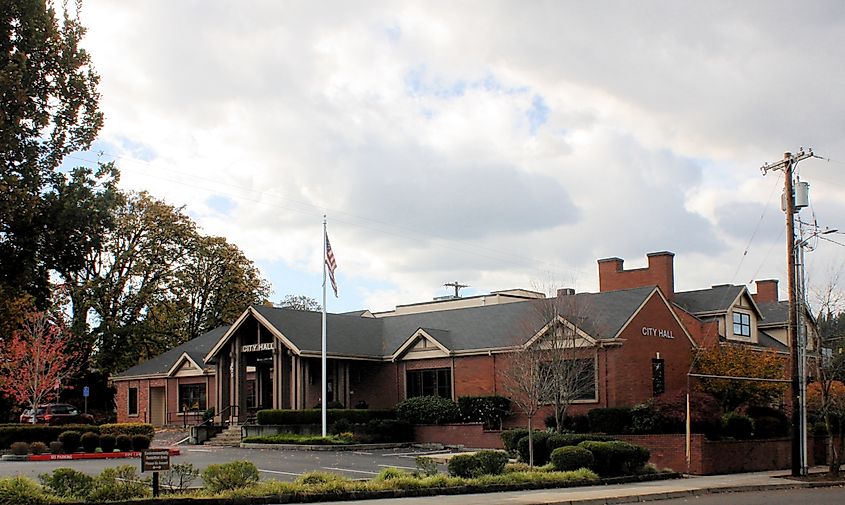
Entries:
{"x":300,"y":302}
{"x":48,"y":109}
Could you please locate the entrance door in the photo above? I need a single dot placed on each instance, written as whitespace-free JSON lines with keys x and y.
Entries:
{"x":158,"y":406}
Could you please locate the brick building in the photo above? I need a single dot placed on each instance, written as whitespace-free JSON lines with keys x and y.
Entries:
{"x":636,"y":335}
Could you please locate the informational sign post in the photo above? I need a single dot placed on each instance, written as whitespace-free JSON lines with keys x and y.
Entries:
{"x":155,"y":460}
{"x":85,"y":393}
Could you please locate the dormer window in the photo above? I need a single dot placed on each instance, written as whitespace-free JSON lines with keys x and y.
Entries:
{"x":742,"y":324}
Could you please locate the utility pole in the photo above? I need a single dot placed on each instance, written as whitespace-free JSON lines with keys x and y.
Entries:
{"x":457,"y":285}
{"x":787,"y":164}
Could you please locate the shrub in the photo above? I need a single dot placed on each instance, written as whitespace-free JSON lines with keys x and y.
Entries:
{"x":227,"y":476}
{"x":541,"y":453}
{"x":389,"y":430}
{"x":108,"y":443}
{"x":121,"y":483}
{"x":426,"y":466}
{"x":672,"y":408}
{"x":128,"y":429}
{"x":10,"y":433}
{"x":611,"y":459}
{"x":20,"y":448}
{"x":18,"y":490}
{"x":571,"y":457}
{"x":70,"y":441}
{"x":427,"y":410}
{"x":390,"y":473}
{"x":489,"y":410}
{"x":314,"y":416}
{"x":56,"y":447}
{"x":67,"y":483}
{"x":556,"y":440}
{"x":737,"y":426}
{"x":577,"y":424}
{"x":340,"y":426}
{"x":90,"y":441}
{"x":769,"y":427}
{"x":124,"y":443}
{"x":511,"y":437}
{"x":645,"y":419}
{"x":180,"y":476}
{"x":140,"y":442}
{"x":491,"y":462}
{"x":38,"y":448}
{"x":612,"y":420}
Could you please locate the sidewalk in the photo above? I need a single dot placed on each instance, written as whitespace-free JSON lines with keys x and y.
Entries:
{"x":620,"y":493}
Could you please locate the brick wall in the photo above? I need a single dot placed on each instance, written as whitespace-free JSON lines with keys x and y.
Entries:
{"x":471,"y":436}
{"x":660,"y":272}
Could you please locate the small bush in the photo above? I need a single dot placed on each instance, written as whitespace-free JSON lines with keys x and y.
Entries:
{"x":20,"y":448}
{"x":611,"y":459}
{"x":38,"y":448}
{"x":128,"y":429}
{"x":769,"y":427}
{"x":180,"y":476}
{"x":390,"y":473}
{"x":140,"y":442}
{"x":462,"y":465}
{"x":389,"y":430}
{"x":612,"y":420}
{"x":20,"y":490}
{"x":541,"y":453}
{"x":70,"y":441}
{"x":17,"y":432}
{"x":340,"y":426}
{"x":577,"y":424}
{"x":510,"y":439}
{"x":317,"y":478}
{"x":227,"y":476}
{"x":737,"y":426}
{"x":556,"y":440}
{"x":67,"y":483}
{"x":121,"y":483}
{"x":645,"y":420}
{"x":427,"y":410}
{"x":124,"y":443}
{"x":90,"y":441}
{"x":570,"y":458}
{"x":108,"y":443}
{"x":426,"y":466}
{"x":56,"y":447}
{"x":490,"y":410}
{"x":491,"y":462}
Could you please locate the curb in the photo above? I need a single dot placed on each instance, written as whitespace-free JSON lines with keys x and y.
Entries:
{"x":327,"y":447}
{"x":96,"y":455}
{"x":640,"y":498}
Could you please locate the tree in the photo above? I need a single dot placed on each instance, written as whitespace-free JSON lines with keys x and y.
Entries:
{"x":36,"y":360}
{"x":732,"y":360}
{"x":48,"y":109}
{"x":300,"y":302}
{"x":527,"y":383}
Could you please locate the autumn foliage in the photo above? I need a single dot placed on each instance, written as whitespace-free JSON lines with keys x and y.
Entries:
{"x":36,"y":359}
{"x":741,"y":361}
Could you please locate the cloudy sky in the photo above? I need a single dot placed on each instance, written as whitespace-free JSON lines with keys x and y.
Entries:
{"x":499,"y":144}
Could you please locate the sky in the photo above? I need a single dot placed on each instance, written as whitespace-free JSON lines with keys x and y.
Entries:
{"x":497,"y":144}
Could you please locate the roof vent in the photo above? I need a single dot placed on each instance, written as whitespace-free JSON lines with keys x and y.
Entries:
{"x":565,"y":292}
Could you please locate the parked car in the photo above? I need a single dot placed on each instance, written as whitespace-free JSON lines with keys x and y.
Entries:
{"x":57,"y":413}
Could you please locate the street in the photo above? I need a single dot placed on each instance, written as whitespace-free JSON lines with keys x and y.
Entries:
{"x":819,"y":496}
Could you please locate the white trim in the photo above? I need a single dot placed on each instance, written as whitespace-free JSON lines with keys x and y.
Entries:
{"x":263,"y":321}
{"x":420,"y":333}
{"x":560,"y":319}
{"x":180,"y":361}
{"x":668,"y":306}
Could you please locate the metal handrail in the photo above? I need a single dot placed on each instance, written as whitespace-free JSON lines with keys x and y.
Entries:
{"x":195,"y":415}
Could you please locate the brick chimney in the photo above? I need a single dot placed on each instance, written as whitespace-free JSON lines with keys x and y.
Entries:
{"x":660,"y":272}
{"x":767,"y":291}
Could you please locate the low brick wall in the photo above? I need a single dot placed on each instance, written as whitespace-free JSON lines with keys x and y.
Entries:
{"x":471,"y":436}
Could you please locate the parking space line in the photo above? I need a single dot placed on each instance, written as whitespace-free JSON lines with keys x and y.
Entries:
{"x":279,"y":472}
{"x":360,"y":453}
{"x":348,"y":470}
{"x":400,"y":467}
{"x":409,"y":454}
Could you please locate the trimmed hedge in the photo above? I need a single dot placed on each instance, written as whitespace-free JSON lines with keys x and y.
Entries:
{"x":70,"y":441}
{"x":90,"y":441}
{"x":480,"y":463}
{"x":314,"y":416}
{"x":427,"y":410}
{"x":571,"y":457}
{"x":612,"y":459}
{"x":737,"y":426}
{"x":511,"y":437}
{"x":556,"y":440}
{"x":10,"y":433}
{"x":541,"y":453}
{"x":130,"y":429}
{"x":124,"y":443}
{"x":489,"y":410}
{"x":611,"y":420}
{"x":388,"y":430}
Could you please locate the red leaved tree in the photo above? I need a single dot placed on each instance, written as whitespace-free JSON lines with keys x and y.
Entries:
{"x":36,"y":359}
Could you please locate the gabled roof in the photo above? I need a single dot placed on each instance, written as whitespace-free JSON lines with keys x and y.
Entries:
{"x":774,"y":314}
{"x":162,"y":364}
{"x":711,"y":301}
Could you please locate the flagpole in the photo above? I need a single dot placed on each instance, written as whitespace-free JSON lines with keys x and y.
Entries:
{"x":323,"y":352}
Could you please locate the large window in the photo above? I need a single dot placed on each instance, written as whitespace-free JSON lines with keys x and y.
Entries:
{"x":437,"y":382}
{"x":742,"y":324}
{"x":133,"y":401}
{"x":191,"y":397}
{"x":575,"y":379}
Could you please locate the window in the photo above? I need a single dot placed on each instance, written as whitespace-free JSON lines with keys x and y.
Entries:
{"x":742,"y":324}
{"x":250,"y":394}
{"x":437,"y":382}
{"x":191,"y":397}
{"x":575,"y":377}
{"x":658,"y":377}
{"x":133,"y":401}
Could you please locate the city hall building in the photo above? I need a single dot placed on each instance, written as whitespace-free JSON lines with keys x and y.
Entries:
{"x":636,"y":334}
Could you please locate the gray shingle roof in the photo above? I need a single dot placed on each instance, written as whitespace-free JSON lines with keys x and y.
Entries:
{"x":715,"y":299}
{"x":774,"y":314}
{"x":161,"y":364}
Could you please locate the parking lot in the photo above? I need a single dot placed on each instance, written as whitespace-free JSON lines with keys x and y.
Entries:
{"x":282,"y":465}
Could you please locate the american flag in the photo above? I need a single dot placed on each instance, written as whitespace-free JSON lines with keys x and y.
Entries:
{"x":331,"y":264}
